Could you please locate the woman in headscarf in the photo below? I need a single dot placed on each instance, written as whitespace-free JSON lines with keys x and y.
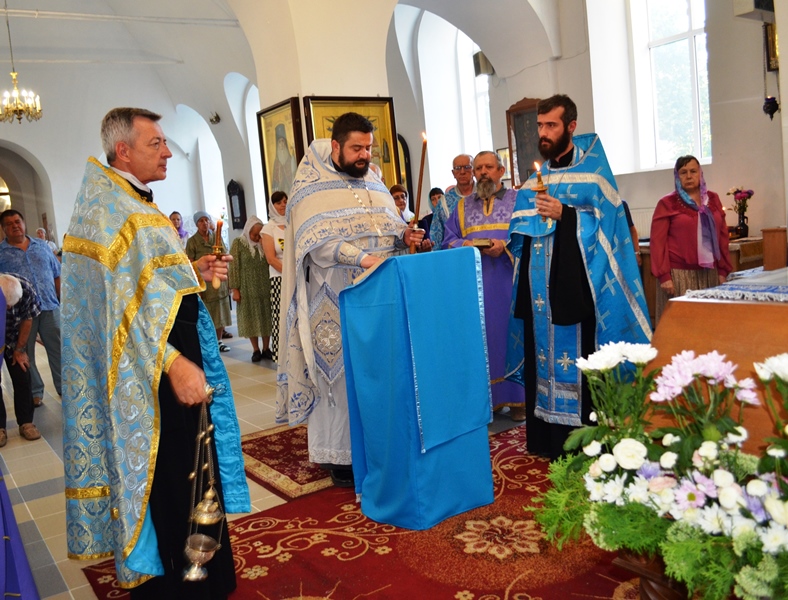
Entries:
{"x":248,"y":277}
{"x":273,"y":246}
{"x":177,"y":222}
{"x":689,"y":237}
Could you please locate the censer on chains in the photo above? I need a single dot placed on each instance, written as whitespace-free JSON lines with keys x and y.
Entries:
{"x":201,"y":547}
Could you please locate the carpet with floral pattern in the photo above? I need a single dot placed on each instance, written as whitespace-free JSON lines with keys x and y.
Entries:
{"x":321,"y":547}
{"x":278,"y":459}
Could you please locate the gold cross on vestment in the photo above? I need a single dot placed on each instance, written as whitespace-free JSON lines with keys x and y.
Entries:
{"x":542,"y":358}
{"x":565,"y":361}
{"x":539,"y":302}
{"x":538,"y":246}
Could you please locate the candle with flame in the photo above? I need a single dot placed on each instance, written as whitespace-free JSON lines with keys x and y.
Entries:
{"x":540,"y":186}
{"x":218,"y":251}
{"x":418,"y":189}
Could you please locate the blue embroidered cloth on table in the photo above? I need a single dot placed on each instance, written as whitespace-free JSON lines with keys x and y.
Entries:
{"x":419,"y":410}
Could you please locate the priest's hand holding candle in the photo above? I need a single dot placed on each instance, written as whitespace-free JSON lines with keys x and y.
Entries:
{"x":540,"y":187}
{"x":218,"y":252}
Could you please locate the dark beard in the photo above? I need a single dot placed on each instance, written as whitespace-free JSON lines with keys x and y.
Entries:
{"x":485,"y":188}
{"x":550,"y":150}
{"x":353,"y":169}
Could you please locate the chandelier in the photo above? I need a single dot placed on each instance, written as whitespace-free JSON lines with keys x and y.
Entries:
{"x":16,"y":104}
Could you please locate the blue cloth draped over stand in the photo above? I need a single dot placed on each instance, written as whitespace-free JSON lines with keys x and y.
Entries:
{"x":16,"y":578}
{"x":418,"y":414}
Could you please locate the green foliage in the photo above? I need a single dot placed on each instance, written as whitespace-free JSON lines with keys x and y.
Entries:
{"x":560,"y":510}
{"x":706,"y":564}
{"x":633,"y":526}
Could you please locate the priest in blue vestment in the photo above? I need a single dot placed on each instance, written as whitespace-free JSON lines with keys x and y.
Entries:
{"x":577,"y":284}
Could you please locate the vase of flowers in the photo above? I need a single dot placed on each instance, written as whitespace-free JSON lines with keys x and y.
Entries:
{"x":685,"y":493}
{"x":741,"y":196}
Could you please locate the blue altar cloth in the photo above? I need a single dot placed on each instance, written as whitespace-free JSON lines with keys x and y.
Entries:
{"x":16,"y":578}
{"x":418,"y":411}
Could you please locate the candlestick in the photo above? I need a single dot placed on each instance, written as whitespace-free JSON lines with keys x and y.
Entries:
{"x":218,"y":252}
{"x":418,"y":189}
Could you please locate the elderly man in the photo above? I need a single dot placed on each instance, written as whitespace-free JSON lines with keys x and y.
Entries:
{"x":140,"y":358}
{"x":482,"y":220}
{"x":21,"y":308}
{"x":341,"y":220}
{"x":462,"y":170}
{"x":578,"y":285}
{"x":32,"y":259}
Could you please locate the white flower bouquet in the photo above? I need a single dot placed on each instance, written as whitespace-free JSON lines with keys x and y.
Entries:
{"x":717,"y":516}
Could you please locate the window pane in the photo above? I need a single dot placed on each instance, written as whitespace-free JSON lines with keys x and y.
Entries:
{"x":667,"y":18}
{"x":703,"y":95}
{"x":698,"y":11}
{"x":673,"y":105}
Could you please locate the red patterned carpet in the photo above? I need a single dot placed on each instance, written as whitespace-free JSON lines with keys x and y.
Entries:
{"x":278,"y":459}
{"x":321,"y":547}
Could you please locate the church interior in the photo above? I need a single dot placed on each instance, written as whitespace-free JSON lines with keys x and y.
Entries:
{"x":213,"y":68}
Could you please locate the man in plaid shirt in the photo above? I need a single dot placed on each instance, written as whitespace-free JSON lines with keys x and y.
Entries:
{"x":21,"y":308}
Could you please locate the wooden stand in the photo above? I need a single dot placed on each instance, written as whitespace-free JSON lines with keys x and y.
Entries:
{"x":744,"y":332}
{"x":654,"y":584}
{"x":775,"y":248}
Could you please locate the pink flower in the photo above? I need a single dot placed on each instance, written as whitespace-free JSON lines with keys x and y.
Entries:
{"x":705,"y":484}
{"x":714,"y":367}
{"x":689,"y":496}
{"x":657,"y":484}
{"x":746,"y":393}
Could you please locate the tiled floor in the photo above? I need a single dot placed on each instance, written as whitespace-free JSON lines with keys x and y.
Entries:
{"x":34,"y":470}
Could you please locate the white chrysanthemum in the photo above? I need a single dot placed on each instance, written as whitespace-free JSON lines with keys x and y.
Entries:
{"x":606,"y":358}
{"x":741,"y":525}
{"x":592,"y":417}
{"x":708,"y":450}
{"x":764,"y":374}
{"x":670,"y":439}
{"x":664,"y":500}
{"x":639,"y":354}
{"x":774,"y":538}
{"x":608,"y":462}
{"x":777,"y":509}
{"x":778,"y":365}
{"x":592,"y":449}
{"x":775,"y":451}
{"x":722,"y":478}
{"x":668,"y":460}
{"x":614,"y":490}
{"x":757,"y":488}
{"x":630,"y":454}
{"x":712,"y":519}
{"x":596,"y":490}
{"x":737,"y":437}
{"x":637,"y":491}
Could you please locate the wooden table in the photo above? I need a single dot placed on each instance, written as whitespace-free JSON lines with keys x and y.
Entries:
{"x":746,"y":253}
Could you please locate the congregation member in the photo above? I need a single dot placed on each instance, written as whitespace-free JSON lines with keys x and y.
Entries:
{"x":400,"y":195}
{"x":425,"y":223}
{"x":462,"y":170}
{"x":32,"y":259}
{"x":689,"y":236}
{"x":139,"y":360}
{"x":20,"y":308}
{"x":341,"y":220}
{"x":41,"y":234}
{"x":177,"y":222}
{"x":217,"y":301}
{"x":273,"y":246}
{"x":251,"y":288}
{"x":577,"y":285}
{"x":482,"y":220}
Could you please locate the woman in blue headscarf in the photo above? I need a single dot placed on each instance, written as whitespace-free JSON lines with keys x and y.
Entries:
{"x":689,"y":237}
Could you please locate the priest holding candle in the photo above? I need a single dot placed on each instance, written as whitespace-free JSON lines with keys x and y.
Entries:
{"x":482,"y":221}
{"x":577,"y":284}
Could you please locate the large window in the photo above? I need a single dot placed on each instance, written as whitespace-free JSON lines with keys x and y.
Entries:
{"x":677,"y":75}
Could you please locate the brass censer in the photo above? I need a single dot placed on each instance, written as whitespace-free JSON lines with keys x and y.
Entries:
{"x":201,"y":547}
{"x":218,"y":252}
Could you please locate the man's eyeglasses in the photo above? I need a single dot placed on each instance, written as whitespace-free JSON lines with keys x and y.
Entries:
{"x":463,"y":168}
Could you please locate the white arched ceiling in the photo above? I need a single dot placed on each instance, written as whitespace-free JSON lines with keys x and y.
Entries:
{"x":511,"y":35}
{"x":236,"y":87}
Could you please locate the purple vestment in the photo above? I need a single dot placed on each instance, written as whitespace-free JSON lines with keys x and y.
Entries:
{"x":467,"y":222}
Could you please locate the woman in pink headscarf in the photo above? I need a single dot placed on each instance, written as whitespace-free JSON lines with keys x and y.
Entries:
{"x":689,"y":237}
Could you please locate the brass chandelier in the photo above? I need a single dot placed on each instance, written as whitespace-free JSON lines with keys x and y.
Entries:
{"x":16,"y":104}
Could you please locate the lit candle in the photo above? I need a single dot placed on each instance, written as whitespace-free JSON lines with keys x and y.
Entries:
{"x":540,"y":187}
{"x":218,"y":251}
{"x":418,"y":189}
